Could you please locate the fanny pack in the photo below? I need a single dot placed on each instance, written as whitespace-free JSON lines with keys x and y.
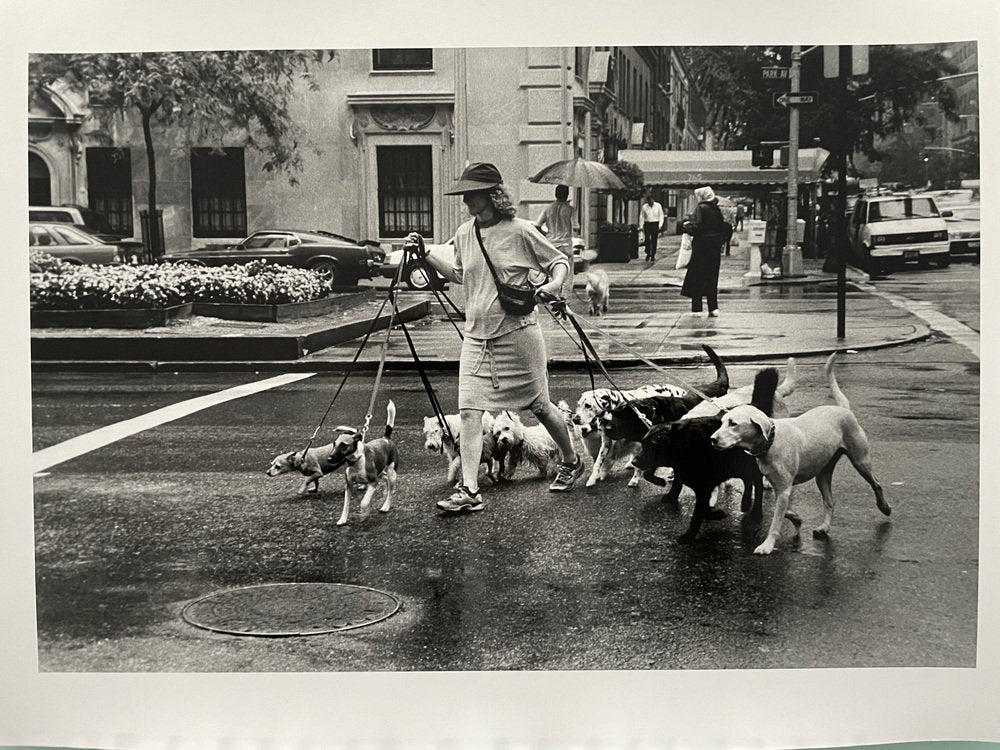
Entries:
{"x":515,"y":300}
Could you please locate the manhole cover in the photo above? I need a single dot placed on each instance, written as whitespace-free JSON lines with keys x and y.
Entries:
{"x":287,"y":609}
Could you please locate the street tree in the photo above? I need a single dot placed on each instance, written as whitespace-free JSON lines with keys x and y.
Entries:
{"x":212,"y":96}
{"x":634,"y":184}
{"x":899,"y":82}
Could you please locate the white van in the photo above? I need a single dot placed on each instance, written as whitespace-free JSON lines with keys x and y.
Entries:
{"x":887,"y":231}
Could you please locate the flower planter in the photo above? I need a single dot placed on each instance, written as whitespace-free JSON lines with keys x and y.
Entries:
{"x":278,"y":313}
{"x":141,"y":317}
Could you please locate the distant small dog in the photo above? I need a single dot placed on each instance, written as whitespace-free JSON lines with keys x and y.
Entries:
{"x":437,"y":441}
{"x":368,"y":463}
{"x":795,"y":450}
{"x":521,"y":443}
{"x":598,"y":291}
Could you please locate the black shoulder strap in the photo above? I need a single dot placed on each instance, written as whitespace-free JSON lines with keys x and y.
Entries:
{"x":482,"y":247}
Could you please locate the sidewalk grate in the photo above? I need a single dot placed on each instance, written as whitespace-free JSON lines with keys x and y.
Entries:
{"x":290,"y":609}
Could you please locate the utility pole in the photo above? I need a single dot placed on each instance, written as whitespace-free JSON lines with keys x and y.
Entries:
{"x":791,"y":261}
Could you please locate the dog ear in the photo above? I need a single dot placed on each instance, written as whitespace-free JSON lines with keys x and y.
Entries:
{"x":295,"y":458}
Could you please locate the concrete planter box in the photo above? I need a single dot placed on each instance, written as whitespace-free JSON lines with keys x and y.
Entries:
{"x":143,"y":317}
{"x":279,"y":313}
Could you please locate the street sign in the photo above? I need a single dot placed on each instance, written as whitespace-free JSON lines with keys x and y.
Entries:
{"x":771,"y":73}
{"x":794,"y":99}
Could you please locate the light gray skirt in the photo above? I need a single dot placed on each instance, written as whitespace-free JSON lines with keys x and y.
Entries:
{"x":508,"y":372}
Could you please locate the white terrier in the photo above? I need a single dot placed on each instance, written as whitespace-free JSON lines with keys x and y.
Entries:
{"x":437,"y":441}
{"x":598,"y":291}
{"x":519,"y":442}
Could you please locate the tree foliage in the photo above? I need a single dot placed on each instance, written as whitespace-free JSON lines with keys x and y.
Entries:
{"x":632,"y":178}
{"x":210,"y":95}
{"x":899,"y":82}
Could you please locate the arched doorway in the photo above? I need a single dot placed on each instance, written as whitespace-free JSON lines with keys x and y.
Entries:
{"x":39,"y":181}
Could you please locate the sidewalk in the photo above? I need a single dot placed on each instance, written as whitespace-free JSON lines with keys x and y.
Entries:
{"x":647,"y":318}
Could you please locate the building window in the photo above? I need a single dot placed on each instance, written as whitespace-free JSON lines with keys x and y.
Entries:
{"x":581,"y":62}
{"x":402,"y":59}
{"x":109,"y":186}
{"x":218,"y":192}
{"x":405,"y":190}
{"x":39,"y":181}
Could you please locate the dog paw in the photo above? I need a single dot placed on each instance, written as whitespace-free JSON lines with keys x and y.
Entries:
{"x":633,"y":483}
{"x":820,"y":533}
{"x":764,"y":549}
{"x":591,"y":481}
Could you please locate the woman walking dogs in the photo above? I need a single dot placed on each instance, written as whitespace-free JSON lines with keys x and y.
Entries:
{"x":709,"y":232}
{"x":503,"y":361}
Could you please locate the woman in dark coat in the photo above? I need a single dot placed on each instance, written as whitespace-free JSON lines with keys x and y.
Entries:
{"x":709,"y":232}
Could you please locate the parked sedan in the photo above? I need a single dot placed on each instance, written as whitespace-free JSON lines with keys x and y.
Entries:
{"x":340,"y":260}
{"x":963,"y":231}
{"x":415,"y":277}
{"x":71,"y":244}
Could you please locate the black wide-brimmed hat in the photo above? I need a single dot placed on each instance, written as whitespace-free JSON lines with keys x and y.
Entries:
{"x":479,"y":176}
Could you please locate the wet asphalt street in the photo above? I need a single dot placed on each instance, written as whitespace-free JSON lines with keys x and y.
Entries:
{"x":129,"y":533}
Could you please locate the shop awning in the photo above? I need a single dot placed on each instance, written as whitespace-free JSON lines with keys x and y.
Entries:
{"x":719,"y":168}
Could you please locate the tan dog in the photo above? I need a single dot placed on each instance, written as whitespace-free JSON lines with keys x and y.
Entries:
{"x":366,"y":463}
{"x":598,"y":291}
{"x":795,"y":450}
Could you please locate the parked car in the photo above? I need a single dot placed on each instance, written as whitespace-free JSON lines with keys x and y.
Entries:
{"x":71,"y":244}
{"x":415,"y":276}
{"x":84,"y":218}
{"x":341,"y":260}
{"x":963,"y":231}
{"x":888,"y":231}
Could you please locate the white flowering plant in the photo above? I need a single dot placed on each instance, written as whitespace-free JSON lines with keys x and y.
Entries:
{"x":70,"y":287}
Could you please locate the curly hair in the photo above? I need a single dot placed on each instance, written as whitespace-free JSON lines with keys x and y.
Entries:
{"x":502,"y":203}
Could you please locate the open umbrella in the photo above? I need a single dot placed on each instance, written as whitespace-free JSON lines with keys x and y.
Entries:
{"x":579,"y":173}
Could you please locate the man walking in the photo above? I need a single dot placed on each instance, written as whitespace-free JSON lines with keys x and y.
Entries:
{"x":651,"y":215}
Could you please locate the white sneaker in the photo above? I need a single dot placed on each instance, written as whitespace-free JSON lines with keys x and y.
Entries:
{"x":714,"y":313}
{"x":697,"y":314}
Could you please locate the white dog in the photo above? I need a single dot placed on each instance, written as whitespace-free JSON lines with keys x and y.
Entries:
{"x":598,"y":291}
{"x":437,"y":441}
{"x":522,"y":443}
{"x":795,"y":450}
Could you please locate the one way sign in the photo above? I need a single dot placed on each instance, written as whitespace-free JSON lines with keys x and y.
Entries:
{"x":794,"y":99}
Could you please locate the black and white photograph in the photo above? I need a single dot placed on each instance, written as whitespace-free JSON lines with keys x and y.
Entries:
{"x":491,"y":357}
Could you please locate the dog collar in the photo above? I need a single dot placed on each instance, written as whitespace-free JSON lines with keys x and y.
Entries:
{"x":341,"y":460}
{"x":768,"y":441}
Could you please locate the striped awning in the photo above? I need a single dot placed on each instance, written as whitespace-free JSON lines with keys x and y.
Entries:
{"x":715,"y":168}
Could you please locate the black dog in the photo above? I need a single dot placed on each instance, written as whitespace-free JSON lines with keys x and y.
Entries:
{"x":625,"y":423}
{"x":686,"y":447}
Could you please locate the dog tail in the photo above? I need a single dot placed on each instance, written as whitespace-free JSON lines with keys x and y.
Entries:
{"x":764,"y":386}
{"x":787,"y":386}
{"x":721,"y":384}
{"x":838,"y":395}
{"x":390,"y":418}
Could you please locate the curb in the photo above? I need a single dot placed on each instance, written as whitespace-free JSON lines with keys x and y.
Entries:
{"x":366,"y":365}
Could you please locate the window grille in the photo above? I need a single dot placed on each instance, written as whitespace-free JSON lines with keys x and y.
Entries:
{"x":218,"y":192}
{"x":405,"y":190}
{"x":109,"y":187}
{"x":403,"y":59}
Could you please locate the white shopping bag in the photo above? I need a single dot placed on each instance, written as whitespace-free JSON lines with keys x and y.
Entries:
{"x":685,"y":252}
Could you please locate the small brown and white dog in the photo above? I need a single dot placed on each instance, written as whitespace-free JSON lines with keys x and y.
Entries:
{"x":367,"y":463}
{"x":437,"y":441}
{"x":521,"y":443}
{"x":598,"y":291}
{"x":794,"y":450}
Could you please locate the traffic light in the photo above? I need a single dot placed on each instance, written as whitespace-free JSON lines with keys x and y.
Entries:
{"x":762,"y":155}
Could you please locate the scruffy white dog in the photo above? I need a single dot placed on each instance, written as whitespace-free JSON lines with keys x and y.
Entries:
{"x":523,"y":443}
{"x":598,"y":291}
{"x":437,"y":441}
